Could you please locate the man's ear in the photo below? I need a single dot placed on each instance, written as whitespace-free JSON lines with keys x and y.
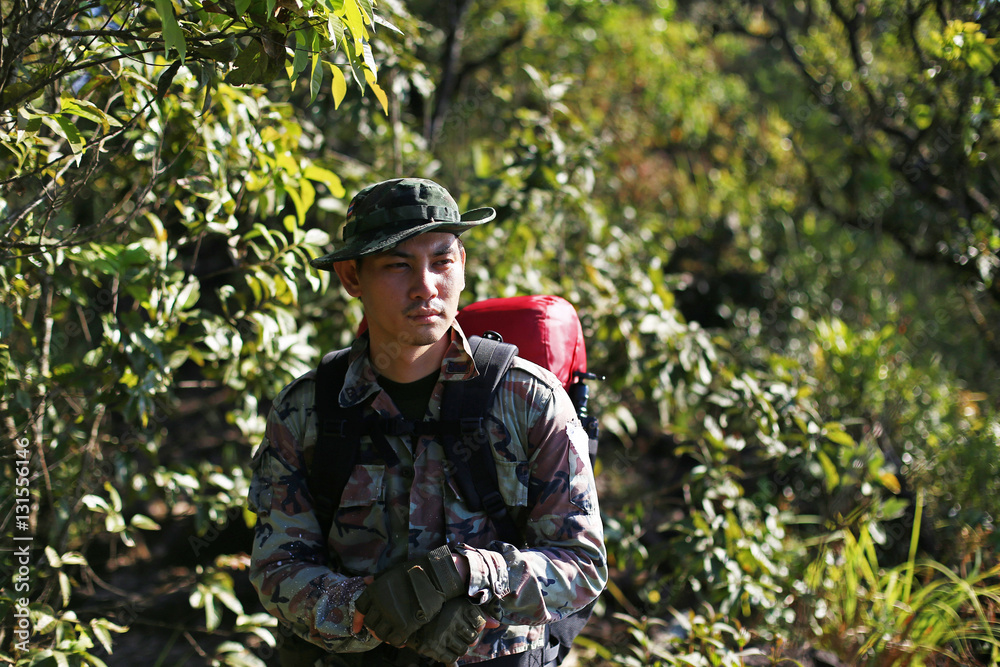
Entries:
{"x":347,"y":271}
{"x":461,"y":248}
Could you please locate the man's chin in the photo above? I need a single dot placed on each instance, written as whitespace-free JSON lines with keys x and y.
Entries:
{"x":428,"y":334}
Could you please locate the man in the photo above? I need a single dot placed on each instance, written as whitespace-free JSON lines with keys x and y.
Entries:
{"x":408,"y":574}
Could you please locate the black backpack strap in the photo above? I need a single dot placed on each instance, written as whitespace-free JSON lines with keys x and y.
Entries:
{"x":467,"y":403}
{"x":338,"y":439}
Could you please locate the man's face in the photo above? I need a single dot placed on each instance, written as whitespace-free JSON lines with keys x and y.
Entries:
{"x":410,"y":293}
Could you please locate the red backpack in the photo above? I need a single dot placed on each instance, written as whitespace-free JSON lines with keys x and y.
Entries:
{"x":547,"y":331}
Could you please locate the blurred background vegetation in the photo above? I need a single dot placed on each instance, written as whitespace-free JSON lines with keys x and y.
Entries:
{"x":778,"y":219}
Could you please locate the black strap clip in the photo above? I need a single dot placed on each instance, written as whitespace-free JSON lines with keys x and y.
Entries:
{"x":397,"y":426}
{"x":494,"y":505}
{"x":335,"y":428}
{"x":470,"y":425}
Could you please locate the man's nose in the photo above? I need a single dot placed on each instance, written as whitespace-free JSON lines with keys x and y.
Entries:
{"x":424,"y":284}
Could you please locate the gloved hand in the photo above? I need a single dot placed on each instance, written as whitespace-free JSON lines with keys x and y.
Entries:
{"x":405,"y":597}
{"x":451,"y":633}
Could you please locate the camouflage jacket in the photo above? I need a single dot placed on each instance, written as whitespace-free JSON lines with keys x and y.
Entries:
{"x":389,"y":514}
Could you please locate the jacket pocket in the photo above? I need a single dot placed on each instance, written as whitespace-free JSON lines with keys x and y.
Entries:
{"x":360,"y":531}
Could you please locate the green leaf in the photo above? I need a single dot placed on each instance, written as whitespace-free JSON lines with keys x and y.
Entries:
{"x":188,"y":295}
{"x":230,"y":600}
{"x":338,"y":86}
{"x":369,"y":59}
{"x":88,"y":110}
{"x":336,"y":29}
{"x":173,"y":36}
{"x":43,"y":657}
{"x":114,"y":523}
{"x":255,"y":286}
{"x":890,"y":481}
{"x":379,"y":93}
{"x":29,"y":122}
{"x":832,"y":477}
{"x":212,"y":612}
{"x":102,"y":633}
{"x":69,"y":131}
{"x":923,"y":116}
{"x":65,"y":588}
{"x":73,"y":558}
{"x":43,"y":620}
{"x":352,"y":61}
{"x":116,"y":499}
{"x":308,"y":196}
{"x":368,"y":10}
{"x":94,"y":660}
{"x":289,"y":221}
{"x":303,"y":51}
{"x":95,"y":503}
{"x":163,"y":83}
{"x":13,"y":92}
{"x":380,"y":20}
{"x":355,"y":21}
{"x":52,"y":557}
{"x":248,"y":65}
{"x":316,"y":76}
{"x":835,"y":433}
{"x":143,"y":522}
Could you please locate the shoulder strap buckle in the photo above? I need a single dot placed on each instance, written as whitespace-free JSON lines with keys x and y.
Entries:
{"x":397,"y":426}
{"x":470,"y":425}
{"x":494,"y":505}
{"x":334,"y":428}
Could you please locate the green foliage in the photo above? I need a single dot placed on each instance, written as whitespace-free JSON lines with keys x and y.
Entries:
{"x":71,"y":640}
{"x":692,"y":640}
{"x":778,"y":221}
{"x":153,"y":236}
{"x":913,"y":613}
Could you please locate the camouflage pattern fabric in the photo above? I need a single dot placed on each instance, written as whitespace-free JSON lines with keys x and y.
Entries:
{"x":394,"y":512}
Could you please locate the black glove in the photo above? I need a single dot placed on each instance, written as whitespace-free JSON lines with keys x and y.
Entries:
{"x":451,"y":633}
{"x":405,"y":597}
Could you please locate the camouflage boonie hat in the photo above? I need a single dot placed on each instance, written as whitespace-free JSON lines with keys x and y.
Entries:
{"x":385,"y":214}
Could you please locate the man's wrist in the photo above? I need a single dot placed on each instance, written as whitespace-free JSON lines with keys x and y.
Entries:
{"x":488,"y":573}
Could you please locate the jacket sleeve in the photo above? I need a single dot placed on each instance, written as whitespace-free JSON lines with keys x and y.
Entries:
{"x":289,"y":563}
{"x":563,"y":566}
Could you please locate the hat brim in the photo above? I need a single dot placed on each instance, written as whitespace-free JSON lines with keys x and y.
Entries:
{"x":381,"y":242}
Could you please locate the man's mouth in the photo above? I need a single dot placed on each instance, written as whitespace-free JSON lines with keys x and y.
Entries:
{"x":423,"y":314}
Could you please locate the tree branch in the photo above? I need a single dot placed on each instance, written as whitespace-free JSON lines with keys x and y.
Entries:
{"x":44,"y":372}
{"x":814,"y":85}
{"x":988,"y":332}
{"x":457,"y":10}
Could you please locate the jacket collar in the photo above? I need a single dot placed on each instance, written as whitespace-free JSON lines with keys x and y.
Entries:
{"x":361,"y":381}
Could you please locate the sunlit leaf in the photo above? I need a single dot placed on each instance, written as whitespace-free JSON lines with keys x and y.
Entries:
{"x":830,"y":473}
{"x":379,"y":93}
{"x":338,"y":86}
{"x":143,"y":522}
